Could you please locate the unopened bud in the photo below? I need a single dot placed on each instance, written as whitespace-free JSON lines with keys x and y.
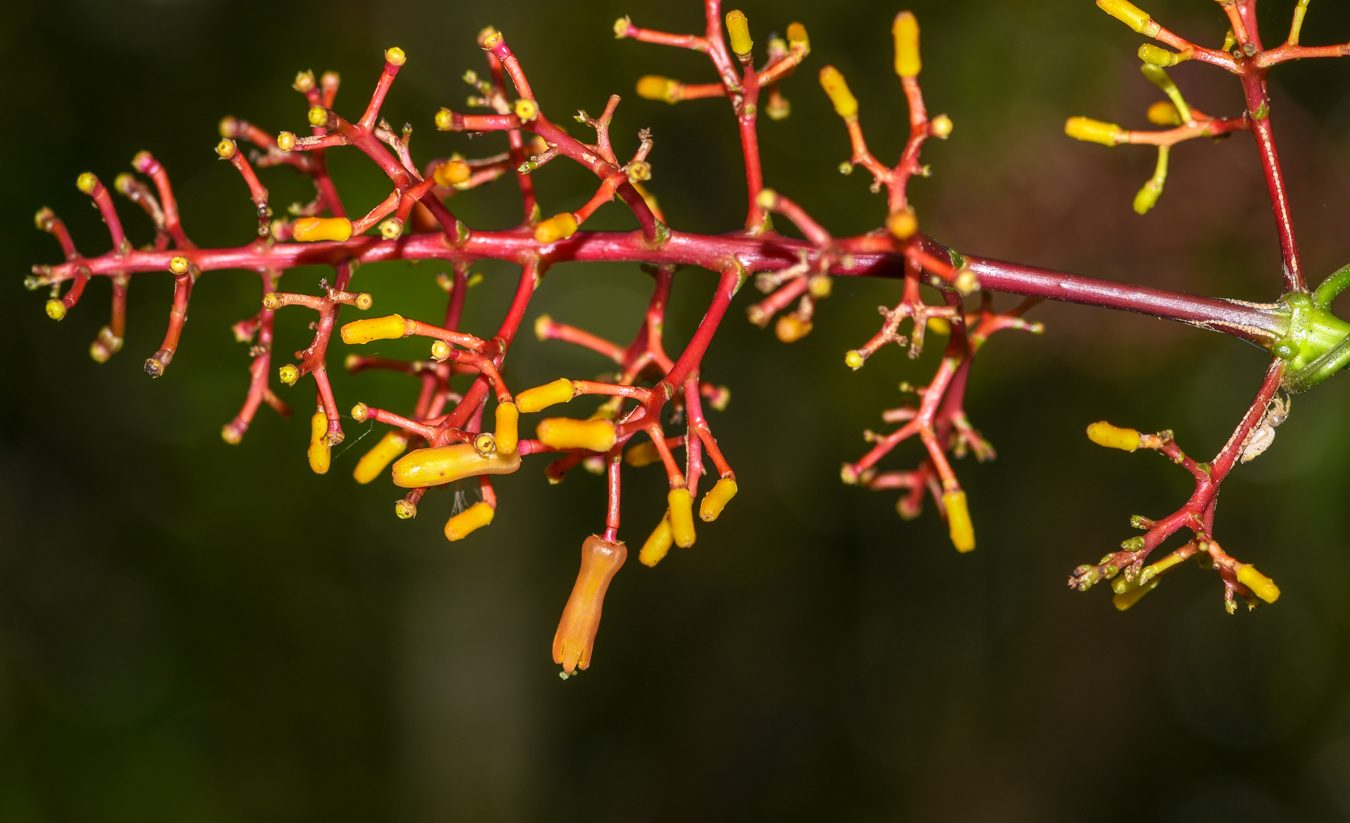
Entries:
{"x":790,"y":328}
{"x":86,"y":182}
{"x":654,"y":87}
{"x":1094,"y":131}
{"x":446,"y":464}
{"x":286,"y":141}
{"x":854,"y":359}
{"x":738,"y":32}
{"x":681,"y":517}
{"x":1164,"y":113}
{"x":1131,"y":15}
{"x":304,"y":81}
{"x":506,"y":432}
{"x":56,"y":310}
{"x":541,"y":397}
{"x":1262,"y":586}
{"x":452,"y":173}
{"x":905,"y":30}
{"x":568,"y":433}
{"x":796,"y":35}
{"x":316,"y":229}
{"x":526,"y":110}
{"x":716,"y":499}
{"x":558,"y":227}
{"x":226,"y":149}
{"x":395,"y":56}
{"x":288,"y":374}
{"x":468,"y":521}
{"x":391,"y":327}
{"x":380,"y":456}
{"x":320,"y":455}
{"x":941,"y":127}
{"x":903,"y":224}
{"x":318,"y":116}
{"x":958,"y":521}
{"x":658,"y":543}
{"x":1114,"y":437}
{"x":643,"y":454}
{"x":1156,"y":56}
{"x":845,"y":104}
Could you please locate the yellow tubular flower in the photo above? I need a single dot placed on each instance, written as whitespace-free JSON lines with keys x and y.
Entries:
{"x":314,"y":229}
{"x":681,"y":517}
{"x":558,"y":227}
{"x":1262,"y":586}
{"x":567,"y":433}
{"x":845,"y":104}
{"x":468,"y":521}
{"x":320,"y":456}
{"x":660,"y":541}
{"x":446,"y":464}
{"x":541,"y":397}
{"x":643,"y":454}
{"x":575,"y":638}
{"x":1094,"y":131}
{"x":738,"y":32}
{"x":452,"y":173}
{"x":716,"y":499}
{"x":1114,"y":437}
{"x":655,"y":87}
{"x":390,"y":327}
{"x":906,"y":33}
{"x":507,"y":432}
{"x":1131,"y":15}
{"x":958,"y":521}
{"x":381,"y":455}
{"x":1128,"y":598}
{"x":796,"y":35}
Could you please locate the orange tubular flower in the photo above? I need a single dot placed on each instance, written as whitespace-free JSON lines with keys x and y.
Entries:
{"x":575,"y":639}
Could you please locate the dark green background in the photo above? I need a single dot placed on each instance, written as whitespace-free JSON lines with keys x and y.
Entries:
{"x":195,"y":631}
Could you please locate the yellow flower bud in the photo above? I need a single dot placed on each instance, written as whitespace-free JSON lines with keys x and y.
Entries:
{"x":468,"y":521}
{"x":940,"y":325}
{"x":319,"y":451}
{"x":541,"y":397}
{"x":681,"y":505}
{"x":56,"y":309}
{"x":845,"y":104}
{"x":558,"y":227}
{"x":446,"y":464}
{"x":654,"y":87}
{"x":286,"y":141}
{"x":1156,"y":56}
{"x":226,"y":148}
{"x":568,"y":433}
{"x":958,"y":521}
{"x":716,"y":499}
{"x":506,"y":433}
{"x":903,"y":224}
{"x":1131,"y":15}
{"x":790,"y":328}
{"x":575,"y":638}
{"x":395,"y":56}
{"x":314,"y":229}
{"x":1164,"y":113}
{"x":318,"y":116}
{"x":405,"y":510}
{"x":452,"y":173}
{"x":1094,"y":131}
{"x":445,"y":120}
{"x":658,"y":543}
{"x":288,"y":374}
{"x":906,"y":33}
{"x":391,"y":327}
{"x":304,"y":81}
{"x":941,"y":126}
{"x":374,"y":461}
{"x":1113,"y":437}
{"x":854,"y":359}
{"x":541,"y":324}
{"x":1262,"y":586}
{"x":526,"y":110}
{"x":1129,"y":597}
{"x":86,"y":182}
{"x":643,"y":454}
{"x":796,"y":35}
{"x":738,"y":32}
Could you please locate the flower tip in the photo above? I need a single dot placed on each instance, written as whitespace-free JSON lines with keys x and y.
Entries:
{"x":796,"y":35}
{"x":716,"y":499}
{"x":905,"y":31}
{"x":790,"y":328}
{"x":1094,"y":131}
{"x":56,"y":310}
{"x":395,"y":56}
{"x":655,"y":87}
{"x":658,"y":543}
{"x":317,"y":116}
{"x":380,"y":456}
{"x":681,"y":505}
{"x":958,"y":521}
{"x":903,"y":224}
{"x":832,"y":81}
{"x":288,"y":374}
{"x":317,"y":229}
{"x":469,"y":521}
{"x":286,"y":141}
{"x":854,"y":359}
{"x":320,"y":452}
{"x":1262,"y":586}
{"x":566,"y":433}
{"x":558,"y":227}
{"x":738,"y":32}
{"x":452,"y":173}
{"x":86,"y":182}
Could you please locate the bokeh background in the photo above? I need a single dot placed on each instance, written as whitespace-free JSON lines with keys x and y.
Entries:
{"x":196,"y":631}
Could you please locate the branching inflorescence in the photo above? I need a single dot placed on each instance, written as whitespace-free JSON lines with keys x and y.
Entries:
{"x":654,"y":403}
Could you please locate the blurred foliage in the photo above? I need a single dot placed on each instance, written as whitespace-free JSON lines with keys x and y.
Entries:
{"x":194,"y":631}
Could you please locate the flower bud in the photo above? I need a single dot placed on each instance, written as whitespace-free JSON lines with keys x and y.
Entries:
{"x":445,"y":120}
{"x":314,"y":229}
{"x":716,"y":499}
{"x":381,"y":455}
{"x":319,"y":451}
{"x":395,"y":56}
{"x":567,"y":433}
{"x":905,"y":30}
{"x":1156,"y":56}
{"x":845,"y":104}
{"x":796,"y":35}
{"x":288,"y":374}
{"x":558,"y":227}
{"x":541,"y":397}
{"x":958,"y":521}
{"x":446,"y":464}
{"x":452,"y":173}
{"x":86,"y":182}
{"x":790,"y":328}
{"x":468,"y":521}
{"x":854,"y":359}
{"x":1129,"y":597}
{"x":526,"y":110}
{"x":903,"y":224}
{"x":1114,"y":437}
{"x":391,"y":327}
{"x":738,"y":32}
{"x":643,"y":454}
{"x":1131,"y":15}
{"x":226,"y":148}
{"x":658,"y":543}
{"x":1164,"y":113}
{"x":941,"y":127}
{"x":575,"y":638}
{"x":1262,"y":586}
{"x":681,"y":517}
{"x":286,"y":141}
{"x":1094,"y":131}
{"x":655,"y":87}
{"x":507,"y":431}
{"x":318,"y":116}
